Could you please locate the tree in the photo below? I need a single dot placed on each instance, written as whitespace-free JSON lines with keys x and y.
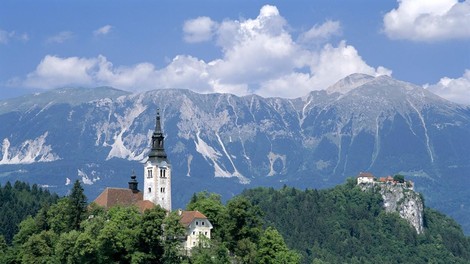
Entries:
{"x":272,"y":249}
{"x":27,"y":228}
{"x":60,"y":216}
{"x":211,"y":206}
{"x":119,"y":237}
{"x":173,"y":234}
{"x":65,"y":251}
{"x":39,"y":248}
{"x":244,"y":222}
{"x":151,"y":234}
{"x":399,"y":178}
{"x":209,"y":252}
{"x":78,"y":203}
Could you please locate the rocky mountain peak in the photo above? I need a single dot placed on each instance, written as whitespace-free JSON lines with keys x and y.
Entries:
{"x":349,"y":83}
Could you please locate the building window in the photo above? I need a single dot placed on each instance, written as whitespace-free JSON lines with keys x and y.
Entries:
{"x":150,"y":189}
{"x":205,"y":233}
{"x":197,"y":223}
{"x":194,"y":232}
{"x":149,"y":173}
{"x":202,"y":223}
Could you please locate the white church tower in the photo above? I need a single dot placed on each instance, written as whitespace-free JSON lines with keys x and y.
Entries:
{"x":157,"y":171}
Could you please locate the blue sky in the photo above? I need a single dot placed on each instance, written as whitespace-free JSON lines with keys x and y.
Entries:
{"x":275,"y":48}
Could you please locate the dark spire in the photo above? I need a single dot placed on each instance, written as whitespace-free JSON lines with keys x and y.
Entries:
{"x":158,"y":149}
{"x":133,"y":183}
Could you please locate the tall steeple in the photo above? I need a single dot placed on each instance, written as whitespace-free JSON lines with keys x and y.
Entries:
{"x":157,"y":171}
{"x":157,"y":153}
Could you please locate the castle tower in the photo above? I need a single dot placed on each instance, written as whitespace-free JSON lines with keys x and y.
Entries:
{"x":157,"y":171}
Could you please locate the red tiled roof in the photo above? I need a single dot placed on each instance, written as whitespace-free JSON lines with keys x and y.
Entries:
{"x":366,"y":174}
{"x":123,"y":197}
{"x":119,"y":196}
{"x":144,"y":205}
{"x":188,"y":216}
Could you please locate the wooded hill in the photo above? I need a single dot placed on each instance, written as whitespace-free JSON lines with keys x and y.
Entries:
{"x":17,"y":201}
{"x":263,"y":225}
{"x":347,"y":225}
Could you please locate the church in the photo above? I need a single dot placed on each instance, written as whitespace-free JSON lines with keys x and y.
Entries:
{"x":156,"y":191}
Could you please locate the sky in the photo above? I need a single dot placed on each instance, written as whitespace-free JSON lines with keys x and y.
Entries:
{"x":270,"y":48}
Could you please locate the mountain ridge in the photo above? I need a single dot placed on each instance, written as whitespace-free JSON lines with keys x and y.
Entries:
{"x":225,"y":142}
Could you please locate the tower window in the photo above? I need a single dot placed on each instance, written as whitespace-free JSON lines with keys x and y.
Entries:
{"x":162,"y":189}
{"x":150,"y":189}
{"x":162,"y":173}
{"x":149,"y":173}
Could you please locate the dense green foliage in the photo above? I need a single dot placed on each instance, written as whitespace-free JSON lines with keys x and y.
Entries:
{"x":18,"y":201}
{"x":69,"y":232}
{"x":263,"y":225}
{"x":240,"y":231}
{"x":347,"y":225}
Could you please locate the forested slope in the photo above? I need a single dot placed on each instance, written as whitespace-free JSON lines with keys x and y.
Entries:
{"x":17,"y":201}
{"x":263,"y":225}
{"x":347,"y":225}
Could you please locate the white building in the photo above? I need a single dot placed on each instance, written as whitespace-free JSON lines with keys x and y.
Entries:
{"x":365,"y":177}
{"x":197,"y":225}
{"x":157,"y":171}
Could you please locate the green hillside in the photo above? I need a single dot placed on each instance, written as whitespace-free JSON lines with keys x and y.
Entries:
{"x":18,"y":201}
{"x":347,"y":225}
{"x":263,"y":225}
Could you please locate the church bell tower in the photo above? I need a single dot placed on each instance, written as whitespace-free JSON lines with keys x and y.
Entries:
{"x":157,"y":171}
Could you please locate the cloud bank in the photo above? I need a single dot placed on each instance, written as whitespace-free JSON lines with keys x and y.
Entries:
{"x":259,"y":55}
{"x":428,"y":20}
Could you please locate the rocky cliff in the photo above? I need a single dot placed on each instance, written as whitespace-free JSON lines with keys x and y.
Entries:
{"x":401,"y":199}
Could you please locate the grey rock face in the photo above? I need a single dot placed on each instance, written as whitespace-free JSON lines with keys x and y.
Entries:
{"x":398,"y":198}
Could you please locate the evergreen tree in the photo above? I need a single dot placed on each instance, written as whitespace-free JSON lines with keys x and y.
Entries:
{"x":78,"y":203}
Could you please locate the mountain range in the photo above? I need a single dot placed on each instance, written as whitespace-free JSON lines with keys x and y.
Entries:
{"x":225,"y":143}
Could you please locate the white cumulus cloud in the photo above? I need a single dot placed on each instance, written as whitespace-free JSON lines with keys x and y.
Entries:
{"x":104,"y":30}
{"x":259,"y":55}
{"x":199,"y":29}
{"x":456,"y":90}
{"x":53,"y":72}
{"x":428,"y":20}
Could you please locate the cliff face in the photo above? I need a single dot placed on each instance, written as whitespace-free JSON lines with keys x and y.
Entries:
{"x":399,"y":198}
